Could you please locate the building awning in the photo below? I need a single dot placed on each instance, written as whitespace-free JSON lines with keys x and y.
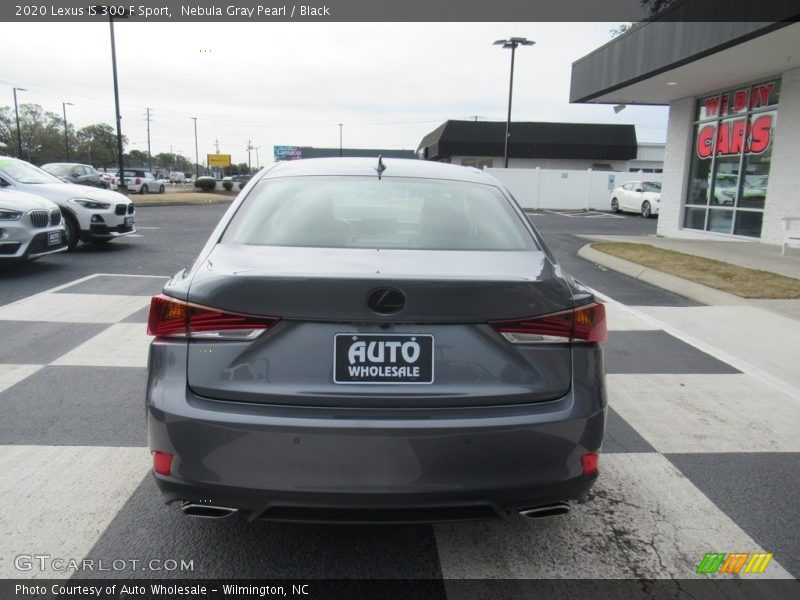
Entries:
{"x":661,"y":61}
{"x":530,"y":140}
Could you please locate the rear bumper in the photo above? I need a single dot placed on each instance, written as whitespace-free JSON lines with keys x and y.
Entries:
{"x":323,"y":464}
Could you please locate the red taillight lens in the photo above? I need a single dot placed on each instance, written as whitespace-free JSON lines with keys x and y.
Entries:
{"x":162,"y":463}
{"x":138,"y":180}
{"x":170,"y":317}
{"x":590,"y":463}
{"x":585,"y":323}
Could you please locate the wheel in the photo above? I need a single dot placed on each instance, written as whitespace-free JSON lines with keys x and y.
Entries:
{"x":646,"y":210}
{"x":161,"y":189}
{"x":144,"y":190}
{"x":614,"y":205}
{"x":71,"y":225}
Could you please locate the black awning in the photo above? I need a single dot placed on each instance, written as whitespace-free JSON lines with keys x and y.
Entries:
{"x":531,"y":140}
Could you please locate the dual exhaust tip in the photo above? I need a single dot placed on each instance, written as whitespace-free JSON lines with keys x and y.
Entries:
{"x":206,"y":511}
{"x":209,"y":511}
{"x":547,"y":510}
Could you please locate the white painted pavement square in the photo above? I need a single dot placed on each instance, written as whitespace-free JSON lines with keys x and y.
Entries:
{"x":647,"y":520}
{"x":759,"y":337}
{"x":706,"y":413}
{"x":121,"y":345}
{"x":619,"y":319}
{"x":73,"y":308}
{"x":58,"y":500}
{"x":13,"y":374}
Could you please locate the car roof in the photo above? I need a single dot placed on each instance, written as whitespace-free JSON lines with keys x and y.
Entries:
{"x":395,"y":167}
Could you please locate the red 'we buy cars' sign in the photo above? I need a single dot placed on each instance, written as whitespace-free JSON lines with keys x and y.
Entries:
{"x":751,"y":133}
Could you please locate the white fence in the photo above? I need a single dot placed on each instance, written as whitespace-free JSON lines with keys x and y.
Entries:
{"x":556,"y":189}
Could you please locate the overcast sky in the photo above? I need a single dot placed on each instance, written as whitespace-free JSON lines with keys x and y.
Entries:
{"x":291,"y":83}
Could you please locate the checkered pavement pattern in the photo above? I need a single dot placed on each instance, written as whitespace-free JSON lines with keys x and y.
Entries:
{"x":699,"y":457}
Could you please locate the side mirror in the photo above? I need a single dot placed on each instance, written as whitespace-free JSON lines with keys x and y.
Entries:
{"x":4,"y":183}
{"x":638,"y":189}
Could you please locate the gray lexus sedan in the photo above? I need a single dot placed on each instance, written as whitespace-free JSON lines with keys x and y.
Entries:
{"x":375,"y":340}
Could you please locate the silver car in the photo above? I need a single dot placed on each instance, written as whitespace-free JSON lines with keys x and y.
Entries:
{"x":30,"y":227}
{"x":369,"y":340}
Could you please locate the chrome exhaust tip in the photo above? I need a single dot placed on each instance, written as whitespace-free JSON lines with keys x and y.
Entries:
{"x":206,"y":511}
{"x":548,"y":510}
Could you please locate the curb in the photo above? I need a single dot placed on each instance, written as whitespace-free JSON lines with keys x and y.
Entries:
{"x":683,"y":287}
{"x":180,"y":203}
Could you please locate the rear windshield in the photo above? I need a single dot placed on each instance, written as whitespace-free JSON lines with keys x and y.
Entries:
{"x":364,"y":212}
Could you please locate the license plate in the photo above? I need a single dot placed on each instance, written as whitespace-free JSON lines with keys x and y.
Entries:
{"x":375,"y":358}
{"x":128,"y":221}
{"x":54,"y":238}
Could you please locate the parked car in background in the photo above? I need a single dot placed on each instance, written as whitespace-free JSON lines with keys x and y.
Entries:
{"x":77,"y":173}
{"x":140,"y":181}
{"x":643,"y":197}
{"x":177,"y":177}
{"x":367,"y":340}
{"x":241,"y":178}
{"x":30,"y":226}
{"x":108,"y":178}
{"x":90,"y":214}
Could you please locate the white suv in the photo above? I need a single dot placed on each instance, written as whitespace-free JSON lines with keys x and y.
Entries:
{"x":30,"y":227}
{"x":90,"y":214}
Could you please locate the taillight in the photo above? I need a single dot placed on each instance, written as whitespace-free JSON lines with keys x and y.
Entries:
{"x":138,"y":180}
{"x":585,"y":323}
{"x":170,"y":317}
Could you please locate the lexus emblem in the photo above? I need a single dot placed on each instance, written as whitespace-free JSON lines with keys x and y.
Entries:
{"x":386,"y":301}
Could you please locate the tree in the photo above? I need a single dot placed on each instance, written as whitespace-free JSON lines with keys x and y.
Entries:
{"x":136,"y":158}
{"x":97,"y":145}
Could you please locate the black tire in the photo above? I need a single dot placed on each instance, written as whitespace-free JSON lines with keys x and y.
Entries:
{"x":73,"y":231}
{"x":647,"y":211}
{"x":614,"y":205}
{"x":161,"y":190}
{"x":144,"y":190}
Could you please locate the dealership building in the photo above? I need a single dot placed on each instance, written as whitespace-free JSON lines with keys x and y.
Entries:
{"x":732,"y":157}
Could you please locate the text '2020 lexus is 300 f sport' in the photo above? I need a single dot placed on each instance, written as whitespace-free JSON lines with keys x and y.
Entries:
{"x":370,"y":340}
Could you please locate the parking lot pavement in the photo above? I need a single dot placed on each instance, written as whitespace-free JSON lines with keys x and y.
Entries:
{"x":700,"y":457}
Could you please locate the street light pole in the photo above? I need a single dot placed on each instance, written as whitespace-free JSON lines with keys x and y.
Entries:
{"x":16,"y":113}
{"x":196,"y":152}
{"x":340,"y":140}
{"x":66,"y":128}
{"x":511,"y":43}
{"x":120,"y":161}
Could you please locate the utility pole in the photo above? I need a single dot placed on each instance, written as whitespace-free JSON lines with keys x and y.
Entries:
{"x":340,"y":139}
{"x":149,"y":156}
{"x":258,"y":162}
{"x":249,"y":147}
{"x":120,"y":163}
{"x":16,"y":112}
{"x":66,"y":128}
{"x":216,"y":144}
{"x":196,"y":152}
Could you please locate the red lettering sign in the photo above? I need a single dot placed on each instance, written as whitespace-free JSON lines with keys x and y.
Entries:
{"x":712,"y":106}
{"x":760,"y":134}
{"x":740,"y":100}
{"x":733,"y":136}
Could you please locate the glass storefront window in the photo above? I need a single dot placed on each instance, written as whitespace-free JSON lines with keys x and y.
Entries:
{"x":731,"y":155}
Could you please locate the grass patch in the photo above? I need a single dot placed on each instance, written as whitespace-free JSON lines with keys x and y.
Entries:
{"x":741,"y":281}
{"x":188,"y":197}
